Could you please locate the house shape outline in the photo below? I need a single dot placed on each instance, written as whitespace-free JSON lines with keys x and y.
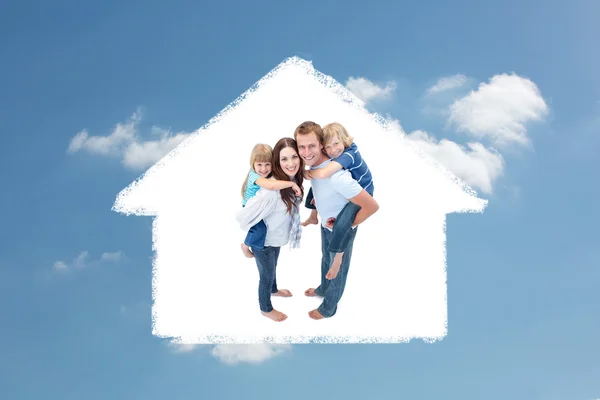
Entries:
{"x":142,"y":198}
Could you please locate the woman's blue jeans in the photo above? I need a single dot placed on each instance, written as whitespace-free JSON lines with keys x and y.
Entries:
{"x":266,"y":261}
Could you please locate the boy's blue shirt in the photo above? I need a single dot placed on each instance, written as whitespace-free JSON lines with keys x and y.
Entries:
{"x":352,"y":161}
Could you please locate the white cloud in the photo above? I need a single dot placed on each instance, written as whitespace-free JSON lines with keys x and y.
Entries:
{"x":82,"y":261}
{"x":183,"y":347}
{"x":124,"y":142}
{"x":476,"y":165}
{"x":499,"y":110}
{"x":139,"y":155}
{"x":122,"y":135}
{"x":447,"y":83}
{"x":60,"y":266}
{"x":366,"y":90}
{"x":116,"y":256}
{"x":248,"y":353}
{"x":232,"y":354}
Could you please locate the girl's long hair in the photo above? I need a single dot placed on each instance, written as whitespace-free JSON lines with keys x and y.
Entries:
{"x":287,"y":195}
{"x":260,"y":153}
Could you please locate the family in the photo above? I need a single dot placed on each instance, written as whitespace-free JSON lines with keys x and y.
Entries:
{"x":341,"y":193}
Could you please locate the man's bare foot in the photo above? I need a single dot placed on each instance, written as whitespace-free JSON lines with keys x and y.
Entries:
{"x":246,"y":251}
{"x":335,"y":266}
{"x":282,"y":293}
{"x":275,"y":315}
{"x":314,"y":314}
{"x":310,"y":292}
{"x":311,"y":220}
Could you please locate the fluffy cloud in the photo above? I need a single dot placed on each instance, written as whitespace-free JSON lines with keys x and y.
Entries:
{"x":60,"y":266}
{"x":232,"y":354}
{"x":82,"y":261}
{"x":499,"y":110}
{"x":182,"y":347}
{"x":114,"y":257}
{"x":367,"y":91}
{"x":476,"y":165}
{"x":124,"y":142}
{"x":447,"y":83}
{"x":248,"y":353}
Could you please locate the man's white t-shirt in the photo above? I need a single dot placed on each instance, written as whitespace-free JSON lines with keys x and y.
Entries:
{"x":332,"y":194}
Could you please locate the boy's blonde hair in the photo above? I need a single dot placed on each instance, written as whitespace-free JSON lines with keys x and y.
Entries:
{"x":260,"y":153}
{"x":334,"y":129}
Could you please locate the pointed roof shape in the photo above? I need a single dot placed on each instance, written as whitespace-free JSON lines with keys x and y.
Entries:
{"x":272,"y":108}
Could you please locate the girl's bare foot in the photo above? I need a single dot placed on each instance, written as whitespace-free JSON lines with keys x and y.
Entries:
{"x":275,"y":315}
{"x":246,"y":251}
{"x":282,"y":293}
{"x":335,"y":266}
{"x":310,"y":292}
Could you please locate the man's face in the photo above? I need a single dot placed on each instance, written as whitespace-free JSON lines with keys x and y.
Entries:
{"x":309,"y":148}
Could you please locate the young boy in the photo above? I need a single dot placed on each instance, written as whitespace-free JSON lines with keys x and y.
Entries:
{"x":340,"y":147}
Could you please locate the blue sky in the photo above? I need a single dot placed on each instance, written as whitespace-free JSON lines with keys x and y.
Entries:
{"x":522,"y":277}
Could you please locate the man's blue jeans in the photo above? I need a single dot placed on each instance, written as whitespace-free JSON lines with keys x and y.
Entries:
{"x":266,"y":261}
{"x":332,"y":290}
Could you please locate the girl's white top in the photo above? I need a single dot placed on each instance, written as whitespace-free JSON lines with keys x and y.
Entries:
{"x":268,"y":206}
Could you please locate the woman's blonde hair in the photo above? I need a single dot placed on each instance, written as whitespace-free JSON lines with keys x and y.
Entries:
{"x":336,"y":129}
{"x":260,"y":153}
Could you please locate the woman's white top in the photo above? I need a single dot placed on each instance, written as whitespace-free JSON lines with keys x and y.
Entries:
{"x":268,"y":206}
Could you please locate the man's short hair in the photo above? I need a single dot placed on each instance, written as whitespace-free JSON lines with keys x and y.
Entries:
{"x":306,"y":128}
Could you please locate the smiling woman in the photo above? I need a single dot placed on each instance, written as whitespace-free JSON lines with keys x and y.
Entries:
{"x":279,"y":209}
{"x":258,"y":177}
{"x":287,"y":165}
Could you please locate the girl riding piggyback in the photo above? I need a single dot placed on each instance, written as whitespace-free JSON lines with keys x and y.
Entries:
{"x":259,"y":177}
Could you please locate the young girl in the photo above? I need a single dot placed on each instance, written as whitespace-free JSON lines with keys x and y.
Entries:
{"x":260,"y":171}
{"x":342,"y":150}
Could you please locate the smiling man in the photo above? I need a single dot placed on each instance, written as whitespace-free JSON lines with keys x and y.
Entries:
{"x":331,"y":195}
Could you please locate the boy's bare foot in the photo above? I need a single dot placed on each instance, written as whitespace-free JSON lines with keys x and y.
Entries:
{"x":335,"y":266}
{"x":282,"y":293}
{"x":311,"y":220}
{"x":314,"y":314}
{"x":246,"y":251}
{"x":310,"y":292}
{"x":275,"y":315}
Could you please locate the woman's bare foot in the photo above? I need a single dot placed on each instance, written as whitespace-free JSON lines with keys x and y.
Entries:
{"x":310,"y":293}
{"x":314,"y":314}
{"x":275,"y":315}
{"x":246,"y":251}
{"x":335,"y":266}
{"x":282,"y":293}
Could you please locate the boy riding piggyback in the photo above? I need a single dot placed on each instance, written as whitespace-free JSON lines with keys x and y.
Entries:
{"x":344,"y":154}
